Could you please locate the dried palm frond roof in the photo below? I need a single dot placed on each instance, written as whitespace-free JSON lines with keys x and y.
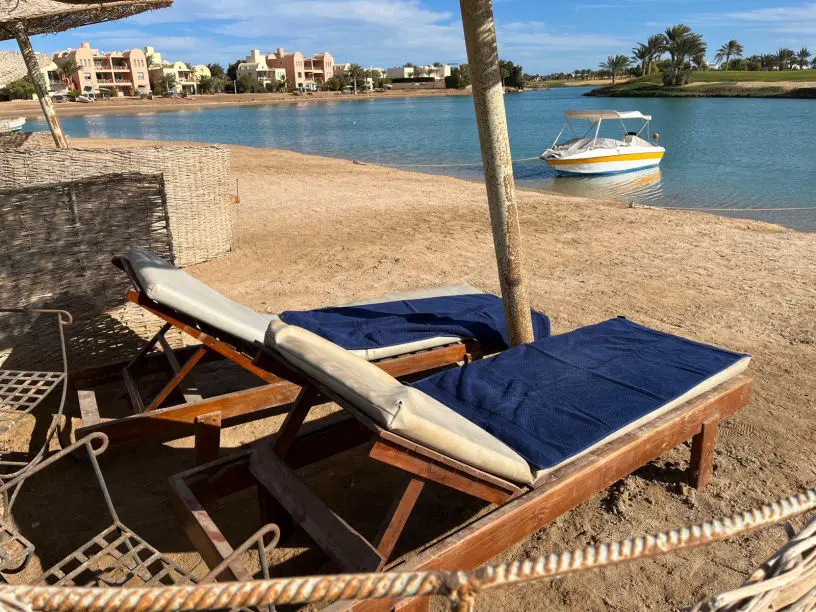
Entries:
{"x":12,"y":66}
{"x":49,"y":16}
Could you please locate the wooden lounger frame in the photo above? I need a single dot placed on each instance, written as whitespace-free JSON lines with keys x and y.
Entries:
{"x":191,"y":414}
{"x":269,"y":466}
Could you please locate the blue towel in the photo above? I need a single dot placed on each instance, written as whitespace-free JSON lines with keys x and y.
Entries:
{"x":479,"y":316}
{"x":553,"y":398}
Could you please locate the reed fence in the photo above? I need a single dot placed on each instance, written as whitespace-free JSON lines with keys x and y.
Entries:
{"x":197,"y":182}
{"x":56,"y":245}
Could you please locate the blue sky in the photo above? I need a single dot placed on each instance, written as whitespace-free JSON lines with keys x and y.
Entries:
{"x":543,"y":35}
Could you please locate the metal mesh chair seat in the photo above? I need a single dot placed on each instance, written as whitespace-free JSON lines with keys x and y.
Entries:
{"x":116,"y":557}
{"x":15,"y":550}
{"x":22,"y":391}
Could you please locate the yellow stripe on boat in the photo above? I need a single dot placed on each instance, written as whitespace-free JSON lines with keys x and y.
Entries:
{"x":606,"y":158}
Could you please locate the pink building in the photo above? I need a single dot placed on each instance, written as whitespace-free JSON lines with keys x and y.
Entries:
{"x":123,"y":74}
{"x":306,"y":73}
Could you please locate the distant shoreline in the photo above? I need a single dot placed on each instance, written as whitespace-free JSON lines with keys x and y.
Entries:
{"x":798,"y":84}
{"x":31,"y":109}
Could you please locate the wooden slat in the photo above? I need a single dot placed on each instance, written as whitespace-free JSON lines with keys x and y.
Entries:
{"x":133,"y":392}
{"x":397,"y":517}
{"x":291,"y":425}
{"x":88,"y":408}
{"x":203,"y":532}
{"x":351,"y":551}
{"x":207,"y":430}
{"x":181,"y":373}
{"x":429,"y":470}
{"x":169,"y":354}
{"x":177,"y":421}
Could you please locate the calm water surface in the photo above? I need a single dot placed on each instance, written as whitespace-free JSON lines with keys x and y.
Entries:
{"x":721,"y":153}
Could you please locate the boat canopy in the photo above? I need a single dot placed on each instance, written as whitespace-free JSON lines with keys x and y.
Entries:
{"x":597,"y":115}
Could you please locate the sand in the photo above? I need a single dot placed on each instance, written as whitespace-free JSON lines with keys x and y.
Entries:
{"x":315,"y":231}
{"x":115,"y":106}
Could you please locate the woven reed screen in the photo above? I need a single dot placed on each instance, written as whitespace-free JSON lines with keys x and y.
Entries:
{"x":197,"y":180}
{"x":56,"y":245}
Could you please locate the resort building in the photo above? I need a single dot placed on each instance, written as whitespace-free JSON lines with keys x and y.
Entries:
{"x":408,"y":72}
{"x":57,"y":85}
{"x":304,"y":73}
{"x":120,"y":74}
{"x":255,"y":67}
{"x":185,"y":79}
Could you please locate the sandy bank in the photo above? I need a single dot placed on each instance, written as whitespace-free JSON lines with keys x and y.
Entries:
{"x":30,"y":108}
{"x":315,"y":231}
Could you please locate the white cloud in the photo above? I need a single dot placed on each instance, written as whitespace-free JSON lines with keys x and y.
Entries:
{"x":799,"y":19}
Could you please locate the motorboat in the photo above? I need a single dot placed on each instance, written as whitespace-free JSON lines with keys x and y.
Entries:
{"x":12,"y":125}
{"x":593,"y":154}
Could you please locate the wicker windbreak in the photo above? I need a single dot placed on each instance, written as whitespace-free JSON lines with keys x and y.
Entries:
{"x":49,"y":16}
{"x":197,"y":180}
{"x":56,"y":245}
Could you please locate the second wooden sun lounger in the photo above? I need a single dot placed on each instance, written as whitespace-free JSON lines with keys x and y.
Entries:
{"x":597,"y":419}
{"x":228,"y":330}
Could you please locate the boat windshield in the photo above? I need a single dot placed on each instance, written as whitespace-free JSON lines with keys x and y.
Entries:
{"x":593,"y":138}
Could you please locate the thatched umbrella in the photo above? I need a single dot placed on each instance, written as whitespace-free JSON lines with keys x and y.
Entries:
{"x":20,"y":19}
{"x":12,"y":66}
{"x":488,"y":98}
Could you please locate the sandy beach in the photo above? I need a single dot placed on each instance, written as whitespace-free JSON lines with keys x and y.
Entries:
{"x":314,"y":231}
{"x":31,"y":108}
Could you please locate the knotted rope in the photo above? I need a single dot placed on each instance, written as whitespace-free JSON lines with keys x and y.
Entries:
{"x":459,"y":587}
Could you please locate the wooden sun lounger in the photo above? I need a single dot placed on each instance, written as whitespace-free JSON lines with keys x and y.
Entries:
{"x":177,"y":411}
{"x":270,"y":467}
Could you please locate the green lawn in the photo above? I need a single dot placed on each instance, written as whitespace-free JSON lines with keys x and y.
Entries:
{"x":735,"y":76}
{"x":721,"y":84}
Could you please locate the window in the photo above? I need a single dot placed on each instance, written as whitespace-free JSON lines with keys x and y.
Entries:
{"x":140,"y":75}
{"x":300,"y":75}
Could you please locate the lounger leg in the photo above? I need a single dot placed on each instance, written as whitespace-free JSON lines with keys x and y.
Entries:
{"x":207,"y":430}
{"x":702,"y":454}
{"x":288,"y":431}
{"x":396,"y":519}
{"x":176,"y":380}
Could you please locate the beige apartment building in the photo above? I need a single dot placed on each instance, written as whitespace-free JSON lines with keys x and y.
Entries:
{"x":185,"y":77}
{"x":304,"y":73}
{"x":123,"y":74}
{"x":255,"y":67}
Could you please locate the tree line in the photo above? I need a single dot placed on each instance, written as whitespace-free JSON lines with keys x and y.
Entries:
{"x":686,"y":51}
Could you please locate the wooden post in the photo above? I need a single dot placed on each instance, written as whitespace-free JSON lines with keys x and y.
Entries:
{"x":207,"y":429}
{"x":488,"y":98}
{"x":702,"y":454}
{"x":39,"y":85}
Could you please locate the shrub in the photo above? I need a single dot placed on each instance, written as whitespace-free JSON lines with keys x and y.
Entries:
{"x":674,"y":77}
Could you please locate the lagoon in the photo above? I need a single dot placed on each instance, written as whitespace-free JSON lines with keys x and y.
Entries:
{"x":751,"y":158}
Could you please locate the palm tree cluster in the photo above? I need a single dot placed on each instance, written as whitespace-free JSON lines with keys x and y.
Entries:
{"x":679,"y":42}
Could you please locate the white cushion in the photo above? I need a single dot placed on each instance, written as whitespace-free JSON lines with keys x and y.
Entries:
{"x":173,"y":287}
{"x":403,"y":410}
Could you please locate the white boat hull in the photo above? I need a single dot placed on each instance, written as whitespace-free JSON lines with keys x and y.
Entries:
{"x":607,"y":161}
{"x":12,"y":125}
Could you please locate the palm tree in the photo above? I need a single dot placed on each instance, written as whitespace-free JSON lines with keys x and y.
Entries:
{"x":616,"y":64}
{"x":68,"y":69}
{"x":656,"y":46}
{"x":803,"y":57}
{"x":681,"y":43}
{"x":730,"y":49}
{"x":641,"y":53}
{"x":784,"y":58}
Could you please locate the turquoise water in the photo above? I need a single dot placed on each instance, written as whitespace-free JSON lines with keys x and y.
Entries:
{"x":721,"y":153}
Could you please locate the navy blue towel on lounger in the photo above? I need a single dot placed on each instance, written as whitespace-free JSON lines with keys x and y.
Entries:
{"x":553,"y":398}
{"x":479,"y":316}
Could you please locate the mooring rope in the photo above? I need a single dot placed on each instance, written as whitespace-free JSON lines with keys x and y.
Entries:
{"x":463,"y":165}
{"x":458,"y":586}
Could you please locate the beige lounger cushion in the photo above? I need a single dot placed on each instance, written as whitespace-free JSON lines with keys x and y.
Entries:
{"x":173,"y":287}
{"x":403,"y":410}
